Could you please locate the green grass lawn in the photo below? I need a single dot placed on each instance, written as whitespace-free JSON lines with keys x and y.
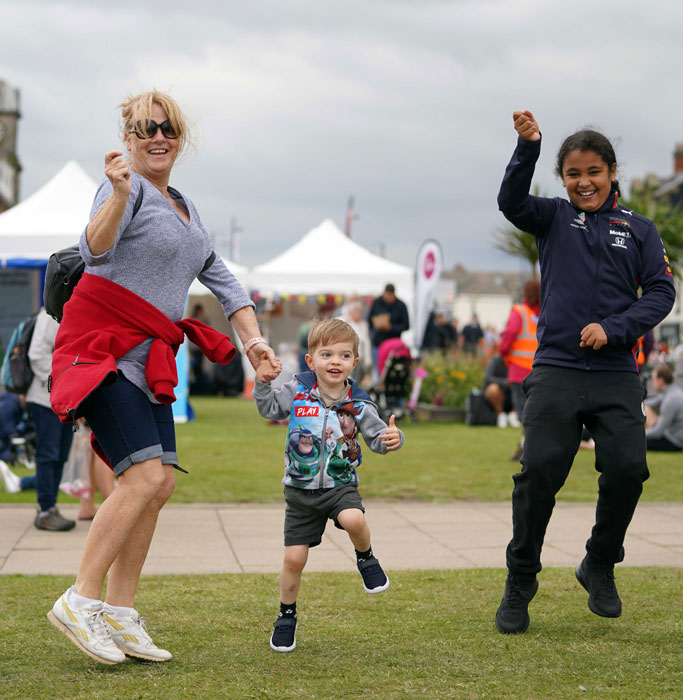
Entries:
{"x":431,"y":635}
{"x":235,"y":455}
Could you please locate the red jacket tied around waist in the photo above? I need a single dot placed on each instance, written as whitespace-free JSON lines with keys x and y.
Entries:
{"x":102,"y":322}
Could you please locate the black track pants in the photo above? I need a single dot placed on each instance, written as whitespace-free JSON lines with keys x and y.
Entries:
{"x":559,"y":402}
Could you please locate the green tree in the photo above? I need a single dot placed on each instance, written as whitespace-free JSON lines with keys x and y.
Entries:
{"x":667,"y":218}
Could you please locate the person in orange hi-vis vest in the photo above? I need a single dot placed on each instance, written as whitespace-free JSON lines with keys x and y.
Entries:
{"x":517,"y":347}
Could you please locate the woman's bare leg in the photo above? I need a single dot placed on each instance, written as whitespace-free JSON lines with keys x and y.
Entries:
{"x":116,"y":518}
{"x":124,"y":572}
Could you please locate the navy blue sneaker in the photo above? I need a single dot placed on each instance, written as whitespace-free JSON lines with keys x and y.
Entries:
{"x":374,"y":578}
{"x":284,"y":634}
{"x":603,"y":598}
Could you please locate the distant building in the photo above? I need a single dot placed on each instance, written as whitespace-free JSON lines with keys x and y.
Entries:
{"x":669,"y":187}
{"x":9,"y":162}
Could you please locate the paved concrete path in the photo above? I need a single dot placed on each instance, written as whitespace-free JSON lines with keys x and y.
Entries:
{"x":247,"y":538}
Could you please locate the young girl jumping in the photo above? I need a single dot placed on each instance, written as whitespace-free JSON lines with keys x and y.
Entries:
{"x":594,"y":255}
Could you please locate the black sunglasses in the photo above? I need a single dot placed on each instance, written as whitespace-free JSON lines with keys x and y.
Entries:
{"x":147,"y":129}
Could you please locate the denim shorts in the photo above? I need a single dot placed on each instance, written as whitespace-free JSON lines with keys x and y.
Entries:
{"x":308,"y":511}
{"x":128,"y":426}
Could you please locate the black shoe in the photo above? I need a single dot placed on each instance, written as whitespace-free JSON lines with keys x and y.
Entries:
{"x":603,"y":598}
{"x":53,"y":520}
{"x":512,"y":616}
{"x":284,"y":634}
{"x":374,"y":578}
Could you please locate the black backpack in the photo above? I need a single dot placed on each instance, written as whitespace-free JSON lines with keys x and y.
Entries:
{"x":64,"y":270}
{"x":16,"y":373}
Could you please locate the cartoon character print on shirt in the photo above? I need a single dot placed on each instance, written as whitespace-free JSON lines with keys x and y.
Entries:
{"x":320,"y":438}
{"x":302,"y":454}
{"x":345,"y":453}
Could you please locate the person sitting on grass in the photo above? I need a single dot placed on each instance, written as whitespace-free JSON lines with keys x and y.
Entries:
{"x":497,"y":392}
{"x":664,"y":413}
{"x":325,"y":487}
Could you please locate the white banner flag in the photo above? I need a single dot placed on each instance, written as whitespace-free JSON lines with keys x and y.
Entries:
{"x":427,"y":274}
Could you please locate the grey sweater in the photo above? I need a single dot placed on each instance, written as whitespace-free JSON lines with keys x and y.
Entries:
{"x":670,"y":421}
{"x":157,"y":256}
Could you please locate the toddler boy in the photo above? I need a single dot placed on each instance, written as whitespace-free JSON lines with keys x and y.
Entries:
{"x":326,"y":412}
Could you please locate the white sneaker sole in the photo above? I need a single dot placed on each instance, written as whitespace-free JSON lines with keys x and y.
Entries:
{"x":282,"y":649}
{"x":74,"y":639}
{"x":146,"y":657}
{"x":379,"y":589}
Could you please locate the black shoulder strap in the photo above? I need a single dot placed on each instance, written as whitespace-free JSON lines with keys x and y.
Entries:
{"x":209,"y":261}
{"x":138,"y":202}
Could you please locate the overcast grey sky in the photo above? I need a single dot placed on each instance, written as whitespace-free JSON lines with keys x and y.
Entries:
{"x":406,"y":104}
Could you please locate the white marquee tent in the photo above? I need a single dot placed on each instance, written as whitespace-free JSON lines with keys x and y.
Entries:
{"x":326,"y":261}
{"x":51,"y":218}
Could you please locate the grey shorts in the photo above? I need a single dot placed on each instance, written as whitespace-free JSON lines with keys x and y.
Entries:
{"x":308,"y":511}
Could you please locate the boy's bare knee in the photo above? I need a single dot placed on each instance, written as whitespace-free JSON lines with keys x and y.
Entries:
{"x":295,"y":561}
{"x":352,"y":519}
{"x":294,"y":565}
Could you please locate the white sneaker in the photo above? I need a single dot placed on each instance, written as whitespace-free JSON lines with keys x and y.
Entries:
{"x":86,"y":629}
{"x":502,"y":420}
{"x":513,"y":419}
{"x":131,"y":637}
{"x":12,"y":481}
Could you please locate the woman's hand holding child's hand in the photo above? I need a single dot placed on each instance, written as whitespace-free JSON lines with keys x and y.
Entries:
{"x":526,"y":126}
{"x":266,"y":370}
{"x":392,"y":438}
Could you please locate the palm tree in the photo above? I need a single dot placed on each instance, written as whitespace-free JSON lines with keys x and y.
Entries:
{"x":518,"y":244}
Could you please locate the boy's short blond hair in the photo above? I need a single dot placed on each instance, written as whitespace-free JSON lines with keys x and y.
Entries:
{"x":332,"y":331}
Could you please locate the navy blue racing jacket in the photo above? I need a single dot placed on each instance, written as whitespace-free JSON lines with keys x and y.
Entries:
{"x":592,"y":265}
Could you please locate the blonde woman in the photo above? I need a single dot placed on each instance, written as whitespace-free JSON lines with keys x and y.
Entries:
{"x":143,"y":247}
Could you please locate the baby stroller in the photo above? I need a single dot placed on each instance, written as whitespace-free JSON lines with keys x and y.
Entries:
{"x":394,"y":364}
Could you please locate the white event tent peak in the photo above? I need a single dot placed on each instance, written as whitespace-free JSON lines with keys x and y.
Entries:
{"x":50,"y":219}
{"x":326,"y":261}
